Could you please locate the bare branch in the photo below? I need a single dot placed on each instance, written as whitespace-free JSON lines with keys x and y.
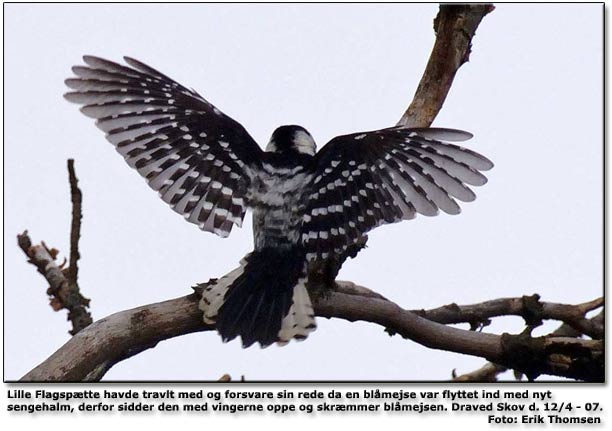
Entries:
{"x":489,"y":372}
{"x":528,"y":307}
{"x":351,"y":288}
{"x":118,"y":336}
{"x":63,"y":293}
{"x":76,"y":197}
{"x":566,"y":330}
{"x":114,"y":338}
{"x":455,"y":27}
{"x":63,"y":285}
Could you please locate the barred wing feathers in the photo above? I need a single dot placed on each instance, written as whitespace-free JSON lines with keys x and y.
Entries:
{"x":197,"y":158}
{"x":364,"y":180}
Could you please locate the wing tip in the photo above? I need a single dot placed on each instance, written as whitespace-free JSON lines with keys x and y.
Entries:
{"x":88,"y":59}
{"x":85,"y":110}
{"x":442,"y":133}
{"x":72,"y":83}
{"x":487,"y":164}
{"x":77,"y":70}
{"x":453,"y":209}
{"x":430,"y":211}
{"x":129,"y":59}
{"x":72,"y":96}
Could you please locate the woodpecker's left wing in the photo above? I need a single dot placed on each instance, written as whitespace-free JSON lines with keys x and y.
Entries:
{"x":199,"y":160}
{"x":367,"y":179}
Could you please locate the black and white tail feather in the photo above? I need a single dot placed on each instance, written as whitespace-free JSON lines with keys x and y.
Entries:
{"x":309,"y":207}
{"x":263,"y":300}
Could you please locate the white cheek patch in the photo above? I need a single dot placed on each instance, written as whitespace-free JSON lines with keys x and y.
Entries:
{"x":271,"y":146}
{"x":304,"y":143}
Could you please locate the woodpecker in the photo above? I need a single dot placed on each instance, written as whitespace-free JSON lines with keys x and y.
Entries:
{"x":311,"y":210}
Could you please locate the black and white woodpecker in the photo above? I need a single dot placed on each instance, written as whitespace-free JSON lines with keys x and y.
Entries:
{"x":309,"y":208}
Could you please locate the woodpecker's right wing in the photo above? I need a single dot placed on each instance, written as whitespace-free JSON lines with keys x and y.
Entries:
{"x":367,"y":179}
{"x":199,"y":160}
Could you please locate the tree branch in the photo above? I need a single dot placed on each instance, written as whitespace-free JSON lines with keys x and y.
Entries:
{"x":455,"y":27}
{"x":528,"y":307}
{"x":76,"y":197}
{"x":116,"y":337}
{"x":489,"y":372}
{"x":123,"y":334}
{"x":62,"y":293}
{"x":566,"y":330}
{"x":63,"y":288}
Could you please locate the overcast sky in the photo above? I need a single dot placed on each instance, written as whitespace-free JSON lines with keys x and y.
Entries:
{"x":531,"y":95}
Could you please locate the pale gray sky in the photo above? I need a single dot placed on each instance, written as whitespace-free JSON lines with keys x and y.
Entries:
{"x":531,"y":95}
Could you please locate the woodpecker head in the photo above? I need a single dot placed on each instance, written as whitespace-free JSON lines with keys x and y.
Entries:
{"x":288,"y":139}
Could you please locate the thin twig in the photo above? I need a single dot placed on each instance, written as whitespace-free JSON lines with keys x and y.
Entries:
{"x":76,"y":197}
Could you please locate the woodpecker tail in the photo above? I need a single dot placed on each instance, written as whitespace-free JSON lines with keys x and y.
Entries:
{"x":263,"y":300}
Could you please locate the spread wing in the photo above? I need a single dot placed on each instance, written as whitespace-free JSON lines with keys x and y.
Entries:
{"x":197,"y":158}
{"x":367,"y":179}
